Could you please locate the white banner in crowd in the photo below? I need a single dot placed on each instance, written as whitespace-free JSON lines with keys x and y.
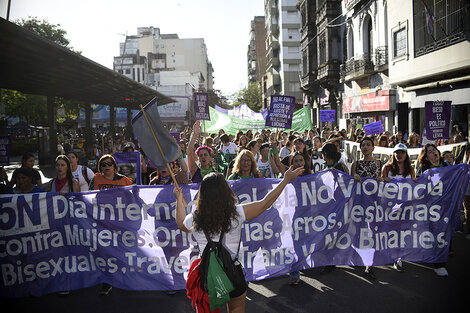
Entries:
{"x":353,"y":152}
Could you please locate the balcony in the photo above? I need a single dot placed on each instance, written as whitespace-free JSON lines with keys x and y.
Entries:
{"x":357,"y":67}
{"x":381,"y":59}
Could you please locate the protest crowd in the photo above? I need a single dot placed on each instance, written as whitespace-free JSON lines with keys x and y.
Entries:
{"x":83,"y":166}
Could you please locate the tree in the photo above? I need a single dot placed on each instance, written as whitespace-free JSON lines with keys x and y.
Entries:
{"x":251,"y":95}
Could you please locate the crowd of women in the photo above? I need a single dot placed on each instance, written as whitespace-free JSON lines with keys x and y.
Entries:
{"x":264,"y":154}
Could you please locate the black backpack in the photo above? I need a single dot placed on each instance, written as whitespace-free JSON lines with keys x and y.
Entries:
{"x":230,"y":266}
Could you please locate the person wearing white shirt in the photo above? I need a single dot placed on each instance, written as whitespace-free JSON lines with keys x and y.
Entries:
{"x":227,"y":146}
{"x":82,"y":173}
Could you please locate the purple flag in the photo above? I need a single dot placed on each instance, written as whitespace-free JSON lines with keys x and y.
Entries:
{"x":143,"y":133}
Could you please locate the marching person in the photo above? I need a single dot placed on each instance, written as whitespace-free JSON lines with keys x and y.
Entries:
{"x":245,"y":166}
{"x":399,"y":166}
{"x":217,"y":212}
{"x":24,"y":182}
{"x":80,"y":172}
{"x":428,"y":158}
{"x":106,"y":178}
{"x":64,"y":182}
{"x":203,"y":155}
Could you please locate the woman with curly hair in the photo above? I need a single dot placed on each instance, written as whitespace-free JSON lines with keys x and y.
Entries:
{"x":245,"y":166}
{"x":217,"y":212}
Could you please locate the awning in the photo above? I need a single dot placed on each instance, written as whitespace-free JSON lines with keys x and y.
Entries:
{"x":35,"y":65}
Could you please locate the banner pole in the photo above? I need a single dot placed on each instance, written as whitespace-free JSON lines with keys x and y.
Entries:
{"x":161,"y":150}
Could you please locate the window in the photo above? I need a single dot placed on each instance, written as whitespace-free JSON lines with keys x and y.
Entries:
{"x":400,"y":40}
{"x":442,"y":24}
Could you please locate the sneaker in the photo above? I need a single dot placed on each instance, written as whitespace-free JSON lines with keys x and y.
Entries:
{"x":63,"y":293}
{"x":294,"y":281}
{"x":369,"y":272}
{"x":441,"y":271}
{"x":105,"y":289}
{"x":398,"y":266}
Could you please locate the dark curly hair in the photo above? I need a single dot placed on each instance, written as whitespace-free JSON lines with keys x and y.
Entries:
{"x":216,"y":205}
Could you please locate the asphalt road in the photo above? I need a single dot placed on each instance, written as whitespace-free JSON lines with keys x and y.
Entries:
{"x":345,"y":289}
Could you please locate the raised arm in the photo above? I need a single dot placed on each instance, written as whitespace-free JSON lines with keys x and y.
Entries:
{"x":253,"y":209}
{"x":180,"y":213}
{"x":190,"y":150}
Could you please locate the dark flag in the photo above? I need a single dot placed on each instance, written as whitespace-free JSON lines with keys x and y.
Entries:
{"x":430,"y":19}
{"x":147,"y":135}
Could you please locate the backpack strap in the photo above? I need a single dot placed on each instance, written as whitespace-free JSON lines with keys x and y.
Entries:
{"x":209,"y":240}
{"x":85,"y":174}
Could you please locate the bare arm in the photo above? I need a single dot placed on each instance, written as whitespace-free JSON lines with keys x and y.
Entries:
{"x":253,"y":209}
{"x":180,"y":213}
{"x":190,"y":150}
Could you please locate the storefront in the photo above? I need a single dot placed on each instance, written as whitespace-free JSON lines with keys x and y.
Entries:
{"x":370,"y":107}
{"x":458,"y":94}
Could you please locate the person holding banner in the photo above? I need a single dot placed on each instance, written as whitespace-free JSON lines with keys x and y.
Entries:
{"x":367,"y":167}
{"x":217,"y":212}
{"x":332,"y":158}
{"x":428,"y":158}
{"x":64,"y":182}
{"x":298,"y":160}
{"x":80,"y":172}
{"x":106,"y":178}
{"x":203,"y":154}
{"x":398,"y":166}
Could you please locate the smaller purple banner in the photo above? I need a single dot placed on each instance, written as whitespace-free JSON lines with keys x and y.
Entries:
{"x":129,"y":165}
{"x":201,"y":106}
{"x":437,"y":119}
{"x":327,"y":115}
{"x":280,"y":111}
{"x":374,"y":128}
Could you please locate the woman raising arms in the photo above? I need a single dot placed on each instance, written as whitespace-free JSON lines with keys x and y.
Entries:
{"x":203,"y":154}
{"x":217,"y":212}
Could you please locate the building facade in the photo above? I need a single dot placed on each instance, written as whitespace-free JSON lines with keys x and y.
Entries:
{"x":282,"y":50}
{"x":429,"y":60}
{"x":176,"y":67}
{"x":256,"y":55}
{"x":367,"y":96}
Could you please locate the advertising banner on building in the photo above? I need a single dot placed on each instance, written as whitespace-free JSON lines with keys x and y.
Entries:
{"x":374,"y":101}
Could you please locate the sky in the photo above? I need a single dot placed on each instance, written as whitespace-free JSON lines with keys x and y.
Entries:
{"x":96,"y":27}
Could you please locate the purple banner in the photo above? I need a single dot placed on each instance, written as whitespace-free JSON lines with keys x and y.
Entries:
{"x":327,"y":115}
{"x":374,"y":128}
{"x":128,"y":236}
{"x":437,"y":119}
{"x":129,"y":164}
{"x":280,"y":111}
{"x":201,"y":106}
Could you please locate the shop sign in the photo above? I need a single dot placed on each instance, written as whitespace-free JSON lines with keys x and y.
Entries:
{"x":374,"y":101}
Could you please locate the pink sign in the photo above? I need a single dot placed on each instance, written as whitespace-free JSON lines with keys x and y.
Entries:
{"x":374,"y":101}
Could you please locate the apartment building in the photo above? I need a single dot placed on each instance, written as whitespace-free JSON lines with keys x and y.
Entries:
{"x":256,"y":55}
{"x":282,"y":20}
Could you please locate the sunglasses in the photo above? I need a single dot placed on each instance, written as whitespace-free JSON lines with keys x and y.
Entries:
{"x":104,"y":164}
